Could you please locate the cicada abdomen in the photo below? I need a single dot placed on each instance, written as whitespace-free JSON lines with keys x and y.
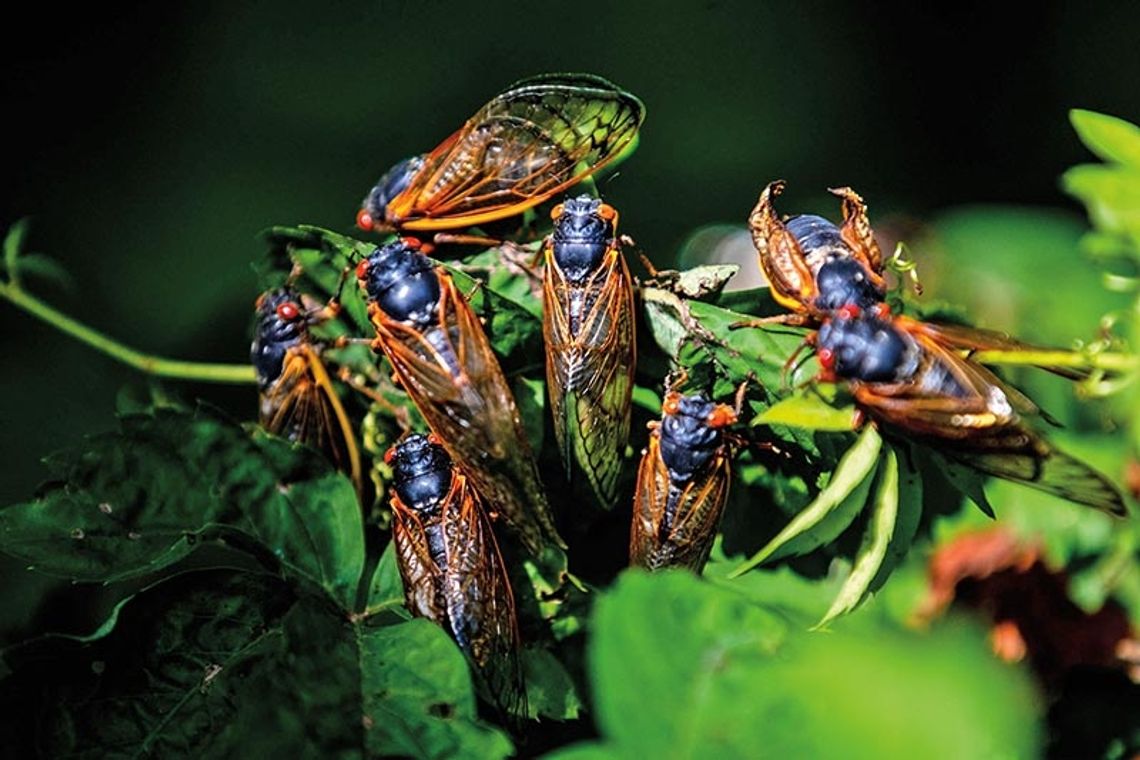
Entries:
{"x":588,"y":323}
{"x":814,"y":266}
{"x":451,"y":567}
{"x":536,"y":139}
{"x":905,"y":377}
{"x":444,"y":361}
{"x":297,"y":399}
{"x":682,"y":484}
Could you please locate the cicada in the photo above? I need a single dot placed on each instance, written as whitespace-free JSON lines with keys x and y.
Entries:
{"x":450,"y":564}
{"x":297,"y":398}
{"x":906,"y":376}
{"x":814,"y":266}
{"x":588,"y":323}
{"x":682,"y":484}
{"x":536,"y":139}
{"x":442,"y":358}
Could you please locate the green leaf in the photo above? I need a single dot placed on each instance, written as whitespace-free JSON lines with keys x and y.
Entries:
{"x":685,"y":669}
{"x":550,"y":691}
{"x":1112,"y":139}
{"x":698,"y":337}
{"x":969,"y":482}
{"x":880,"y":531}
{"x":674,"y":665}
{"x":386,"y":592}
{"x":906,"y":523}
{"x":223,"y":663}
{"x":417,"y":696}
{"x":809,"y":409}
{"x":139,"y":500}
{"x":832,"y":510}
{"x":1111,"y":193}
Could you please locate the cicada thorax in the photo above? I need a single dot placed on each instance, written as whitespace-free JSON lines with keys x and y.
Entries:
{"x":813,"y":265}
{"x":296,"y":396}
{"x":682,"y":484}
{"x":588,"y":324}
{"x":915,"y":385}
{"x":529,"y":143}
{"x":442,"y":358}
{"x":452,"y":570}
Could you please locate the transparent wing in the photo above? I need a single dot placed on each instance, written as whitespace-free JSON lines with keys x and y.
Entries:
{"x":452,"y":375}
{"x":480,"y":602}
{"x":534,"y":140}
{"x":676,"y":527}
{"x":302,"y":405}
{"x":590,"y":371}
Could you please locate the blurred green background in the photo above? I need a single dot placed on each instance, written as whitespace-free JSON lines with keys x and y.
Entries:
{"x":150,"y":144}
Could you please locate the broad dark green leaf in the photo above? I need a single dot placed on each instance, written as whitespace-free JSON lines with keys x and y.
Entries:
{"x":686,"y":669}
{"x":137,"y":501}
{"x":386,"y":591}
{"x":417,"y":696}
{"x":222,"y":663}
{"x":832,"y":510}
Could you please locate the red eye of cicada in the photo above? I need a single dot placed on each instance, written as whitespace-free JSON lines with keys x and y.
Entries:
{"x":364,"y":220}
{"x":288,"y":311}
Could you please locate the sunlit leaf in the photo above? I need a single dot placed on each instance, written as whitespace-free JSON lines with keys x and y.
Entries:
{"x":832,"y":510}
{"x":880,"y":532}
{"x":1110,"y":138}
{"x":741,"y":683}
{"x":808,"y":409}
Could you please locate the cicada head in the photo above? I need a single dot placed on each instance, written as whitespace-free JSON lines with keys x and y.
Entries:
{"x":373,"y":212}
{"x":281,"y":324}
{"x":402,"y":282}
{"x":691,"y":433}
{"x":584,"y":230}
{"x":422,"y":472}
{"x":858,"y":345}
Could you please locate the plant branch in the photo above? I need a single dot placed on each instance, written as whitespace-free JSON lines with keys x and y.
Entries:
{"x":148,"y":363}
{"x":1107,"y":361}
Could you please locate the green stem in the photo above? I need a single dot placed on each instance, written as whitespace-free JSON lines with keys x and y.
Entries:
{"x":148,"y":363}
{"x":1108,"y":361}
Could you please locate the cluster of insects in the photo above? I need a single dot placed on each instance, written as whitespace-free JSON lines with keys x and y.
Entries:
{"x":475,"y":471}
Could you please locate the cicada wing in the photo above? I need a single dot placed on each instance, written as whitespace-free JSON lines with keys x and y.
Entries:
{"x":698,"y":514}
{"x":421,"y":575}
{"x":1030,"y":460}
{"x":480,"y":602}
{"x":649,"y":499}
{"x":674,"y":525}
{"x":303,"y":406}
{"x":970,"y":339}
{"x":980,"y":426}
{"x":949,"y":398}
{"x":455,"y":381}
{"x":856,"y":232}
{"x":781,"y":258}
{"x":534,"y":140}
{"x":590,"y":371}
